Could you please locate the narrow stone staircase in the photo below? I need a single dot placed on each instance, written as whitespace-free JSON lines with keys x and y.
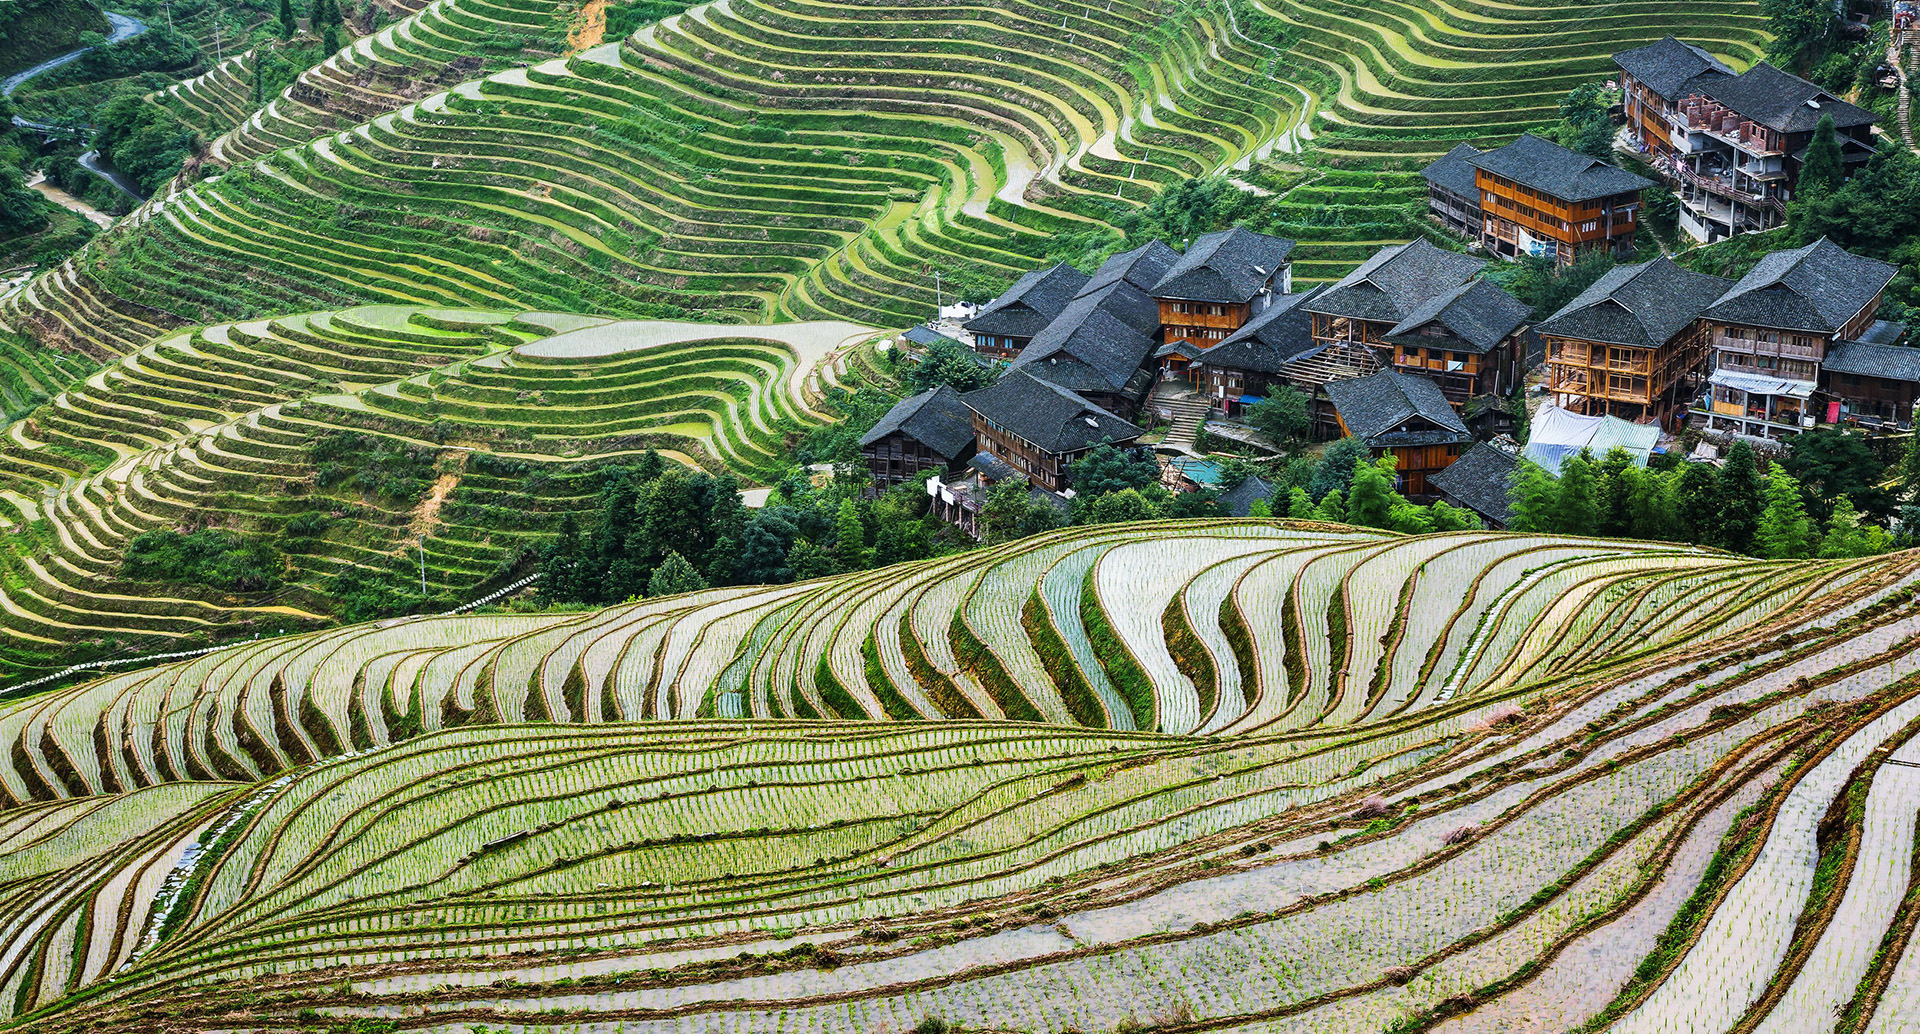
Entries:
{"x":1189,"y":412}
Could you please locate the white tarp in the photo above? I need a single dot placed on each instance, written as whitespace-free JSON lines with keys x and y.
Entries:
{"x":1556,"y":434}
{"x":1761,"y":384}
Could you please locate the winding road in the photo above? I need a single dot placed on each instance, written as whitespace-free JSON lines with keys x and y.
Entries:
{"x":123,"y":28}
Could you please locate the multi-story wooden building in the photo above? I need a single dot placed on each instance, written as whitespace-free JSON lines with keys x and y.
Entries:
{"x":929,"y":433}
{"x":1101,"y":347}
{"x":1007,"y":323}
{"x":1632,"y":345}
{"x":1403,"y":416}
{"x":1453,"y":191}
{"x":1541,"y":199}
{"x":1038,"y":429}
{"x":1771,"y":332}
{"x":1274,"y":349}
{"x":1418,"y":308}
{"x":1731,"y":145}
{"x":1222,"y":281}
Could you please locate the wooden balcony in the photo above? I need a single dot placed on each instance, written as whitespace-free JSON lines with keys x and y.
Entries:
{"x":1753,"y":346}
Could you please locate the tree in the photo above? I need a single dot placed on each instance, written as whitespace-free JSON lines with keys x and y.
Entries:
{"x":1332,"y":508}
{"x":1532,"y":495}
{"x":330,"y":39}
{"x":1697,"y":504}
{"x":1544,"y":286}
{"x":1907,"y":474}
{"x":1847,"y":536}
{"x":1829,"y":463}
{"x":764,"y":545}
{"x":1585,"y":125}
{"x":1650,"y":511}
{"x":1106,"y":469}
{"x":1282,"y":416}
{"x":1824,"y":168}
{"x":1261,"y":510}
{"x":850,"y":539}
{"x":1299,"y":504}
{"x":1573,"y":505}
{"x":1801,"y":31}
{"x":1611,"y":516}
{"x":1410,"y":519}
{"x":1453,"y":518}
{"x":1197,"y":504}
{"x":1011,"y":512}
{"x":1741,"y":491}
{"x":1117,"y":507}
{"x":951,"y":363}
{"x":1784,"y":531}
{"x":288,"y":26}
{"x":1372,"y":498}
{"x":1334,"y":472}
{"x":674,"y":576}
{"x":560,"y":576}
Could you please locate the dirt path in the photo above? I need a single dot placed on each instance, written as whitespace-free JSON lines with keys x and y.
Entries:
{"x":69,"y":202}
{"x":426,"y":516}
{"x":589,"y":28}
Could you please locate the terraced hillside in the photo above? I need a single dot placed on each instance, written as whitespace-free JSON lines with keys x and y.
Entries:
{"x":236,"y":426}
{"x":807,"y":159}
{"x":1625,"y":785}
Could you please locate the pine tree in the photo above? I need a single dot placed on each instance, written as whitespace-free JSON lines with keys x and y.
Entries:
{"x":1696,"y":498}
{"x":850,"y":539}
{"x":560,"y":562}
{"x":288,"y":26}
{"x":674,"y":576}
{"x":259,"y":89}
{"x":1784,"y":531}
{"x":1740,"y":494}
{"x":1531,"y":495}
{"x":1823,"y":169}
{"x":1573,"y":506}
{"x":330,"y":40}
{"x":1335,"y":469}
{"x":1371,"y":500}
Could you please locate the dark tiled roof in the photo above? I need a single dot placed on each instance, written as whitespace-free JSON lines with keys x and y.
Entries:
{"x":1478,"y":480}
{"x":1451,"y":171}
{"x":1818,"y":289}
{"x":1884,"y":332}
{"x":1031,"y":303}
{"x":1783,"y":102}
{"x":1280,"y":334}
{"x":1547,"y":167}
{"x":1374,"y":407}
{"x":936,"y":418}
{"x":1644,"y":305}
{"x":1047,"y":415}
{"x":1672,"y":69}
{"x":1097,"y":343}
{"x":1397,"y":280}
{"x":1142,"y":267}
{"x":1239,"y":499}
{"x":1889,"y":361}
{"x":1479,"y":313}
{"x":921,"y":334}
{"x":1225,"y":267}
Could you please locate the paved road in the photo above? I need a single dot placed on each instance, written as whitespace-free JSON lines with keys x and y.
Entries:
{"x":123,"y":27}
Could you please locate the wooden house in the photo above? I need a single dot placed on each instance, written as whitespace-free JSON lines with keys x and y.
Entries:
{"x":1541,"y":199}
{"x":1632,"y":345}
{"x":1038,"y":429}
{"x":1771,"y":332}
{"x":1453,"y":191}
{"x":1221,"y":282}
{"x":1872,"y":382}
{"x":1406,"y":417}
{"x":1275,"y":348}
{"x":931,"y":432}
{"x":1007,"y":323}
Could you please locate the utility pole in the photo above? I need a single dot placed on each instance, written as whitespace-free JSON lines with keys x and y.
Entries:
{"x":423,"y":566}
{"x":937,"y":303}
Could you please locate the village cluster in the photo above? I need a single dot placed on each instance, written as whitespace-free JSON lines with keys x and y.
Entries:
{"x":1419,"y":353}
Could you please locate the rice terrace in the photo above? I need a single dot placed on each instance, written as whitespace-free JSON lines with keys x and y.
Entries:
{"x":887,"y":517}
